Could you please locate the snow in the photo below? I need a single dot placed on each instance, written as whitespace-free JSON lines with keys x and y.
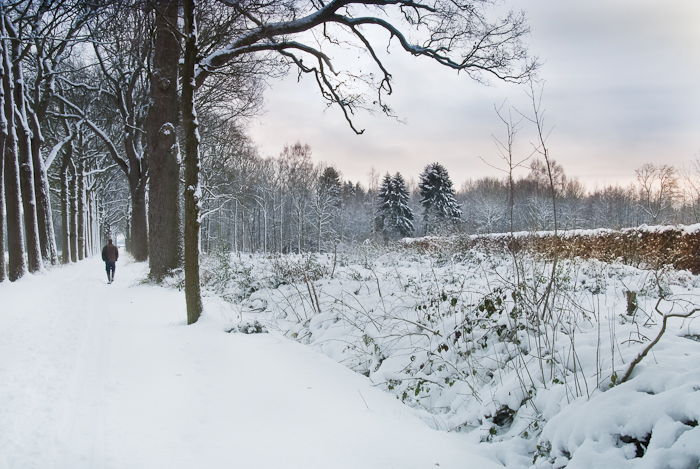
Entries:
{"x":376,"y":358}
{"x":109,"y":376}
{"x":393,"y":316}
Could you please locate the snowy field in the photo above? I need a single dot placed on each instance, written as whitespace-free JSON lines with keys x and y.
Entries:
{"x":109,"y":376}
{"x":368,"y":359}
{"x":526,"y":362}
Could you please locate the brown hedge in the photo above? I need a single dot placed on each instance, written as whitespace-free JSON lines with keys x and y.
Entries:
{"x":643,"y":247}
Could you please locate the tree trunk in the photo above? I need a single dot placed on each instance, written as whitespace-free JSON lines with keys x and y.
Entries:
{"x":73,"y":219}
{"x":243,"y":227}
{"x":193,"y":192}
{"x":3,"y":134}
{"x":139,"y":222}
{"x":163,"y":152}
{"x":81,"y":208}
{"x":44,"y":215}
{"x":65,"y":208}
{"x":235,"y":228}
{"x":13,"y":201}
{"x":26,"y":173}
{"x":319,"y":227}
{"x":3,"y":139}
{"x":127,"y":233}
{"x":91,"y":224}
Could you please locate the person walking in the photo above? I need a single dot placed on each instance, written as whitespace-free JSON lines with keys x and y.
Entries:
{"x":110,"y":254}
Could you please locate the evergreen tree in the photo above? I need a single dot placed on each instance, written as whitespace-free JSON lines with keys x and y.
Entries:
{"x":326,"y":205}
{"x":394,"y":216}
{"x":437,"y":198}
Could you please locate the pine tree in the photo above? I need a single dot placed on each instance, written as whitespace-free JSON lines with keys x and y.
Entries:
{"x":394,"y":217}
{"x":437,"y":198}
{"x":326,"y":204}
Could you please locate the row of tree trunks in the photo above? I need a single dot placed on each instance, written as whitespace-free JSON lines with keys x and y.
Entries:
{"x":26,"y":174}
{"x":80,"y":231}
{"x":24,"y":187}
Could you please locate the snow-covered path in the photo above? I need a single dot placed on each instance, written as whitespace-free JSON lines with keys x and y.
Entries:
{"x":108,"y":376}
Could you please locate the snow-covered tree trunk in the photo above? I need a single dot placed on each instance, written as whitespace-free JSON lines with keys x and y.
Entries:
{"x":42,"y":191}
{"x":235,"y":226}
{"x":44,"y":215}
{"x":90,"y":229}
{"x":300,"y":219}
{"x":163,"y":151}
{"x":279,"y":242}
{"x":3,"y":139}
{"x":65,"y":207}
{"x":16,"y":266}
{"x":73,"y":219}
{"x":26,"y":168}
{"x":80,"y":176}
{"x":193,"y":193}
{"x":127,"y":231}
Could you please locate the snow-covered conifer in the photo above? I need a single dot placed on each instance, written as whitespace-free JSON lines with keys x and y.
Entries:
{"x":326,"y":204}
{"x":437,"y":198}
{"x":394,"y":216}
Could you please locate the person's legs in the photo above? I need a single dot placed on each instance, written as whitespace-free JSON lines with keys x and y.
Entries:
{"x":109,"y":266}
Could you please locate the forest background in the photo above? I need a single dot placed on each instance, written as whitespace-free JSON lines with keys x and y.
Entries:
{"x":81,"y":133}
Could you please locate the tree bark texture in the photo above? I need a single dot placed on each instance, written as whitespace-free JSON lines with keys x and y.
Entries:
{"x":193,"y":294}
{"x":164,"y":168}
{"x":16,"y":266}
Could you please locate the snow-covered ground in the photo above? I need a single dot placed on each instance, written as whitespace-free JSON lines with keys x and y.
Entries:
{"x":376,"y":358}
{"x":464,"y":338}
{"x":109,"y":376}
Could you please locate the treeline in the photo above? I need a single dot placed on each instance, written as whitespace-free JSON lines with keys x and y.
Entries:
{"x":290,"y":204}
{"x":660,"y":195}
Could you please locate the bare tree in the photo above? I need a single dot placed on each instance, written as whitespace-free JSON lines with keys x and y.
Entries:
{"x":658,"y":188}
{"x":300,"y":178}
{"x":506,"y":152}
{"x":455,"y":34}
{"x":691,"y":180}
{"x":53,"y":33}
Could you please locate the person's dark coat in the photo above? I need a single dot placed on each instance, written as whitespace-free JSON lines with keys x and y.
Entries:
{"x":110,"y":253}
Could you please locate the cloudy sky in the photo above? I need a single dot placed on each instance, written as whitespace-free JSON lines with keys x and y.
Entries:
{"x":622,"y":89}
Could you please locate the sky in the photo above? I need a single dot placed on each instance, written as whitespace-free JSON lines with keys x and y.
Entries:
{"x":620,"y":90}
